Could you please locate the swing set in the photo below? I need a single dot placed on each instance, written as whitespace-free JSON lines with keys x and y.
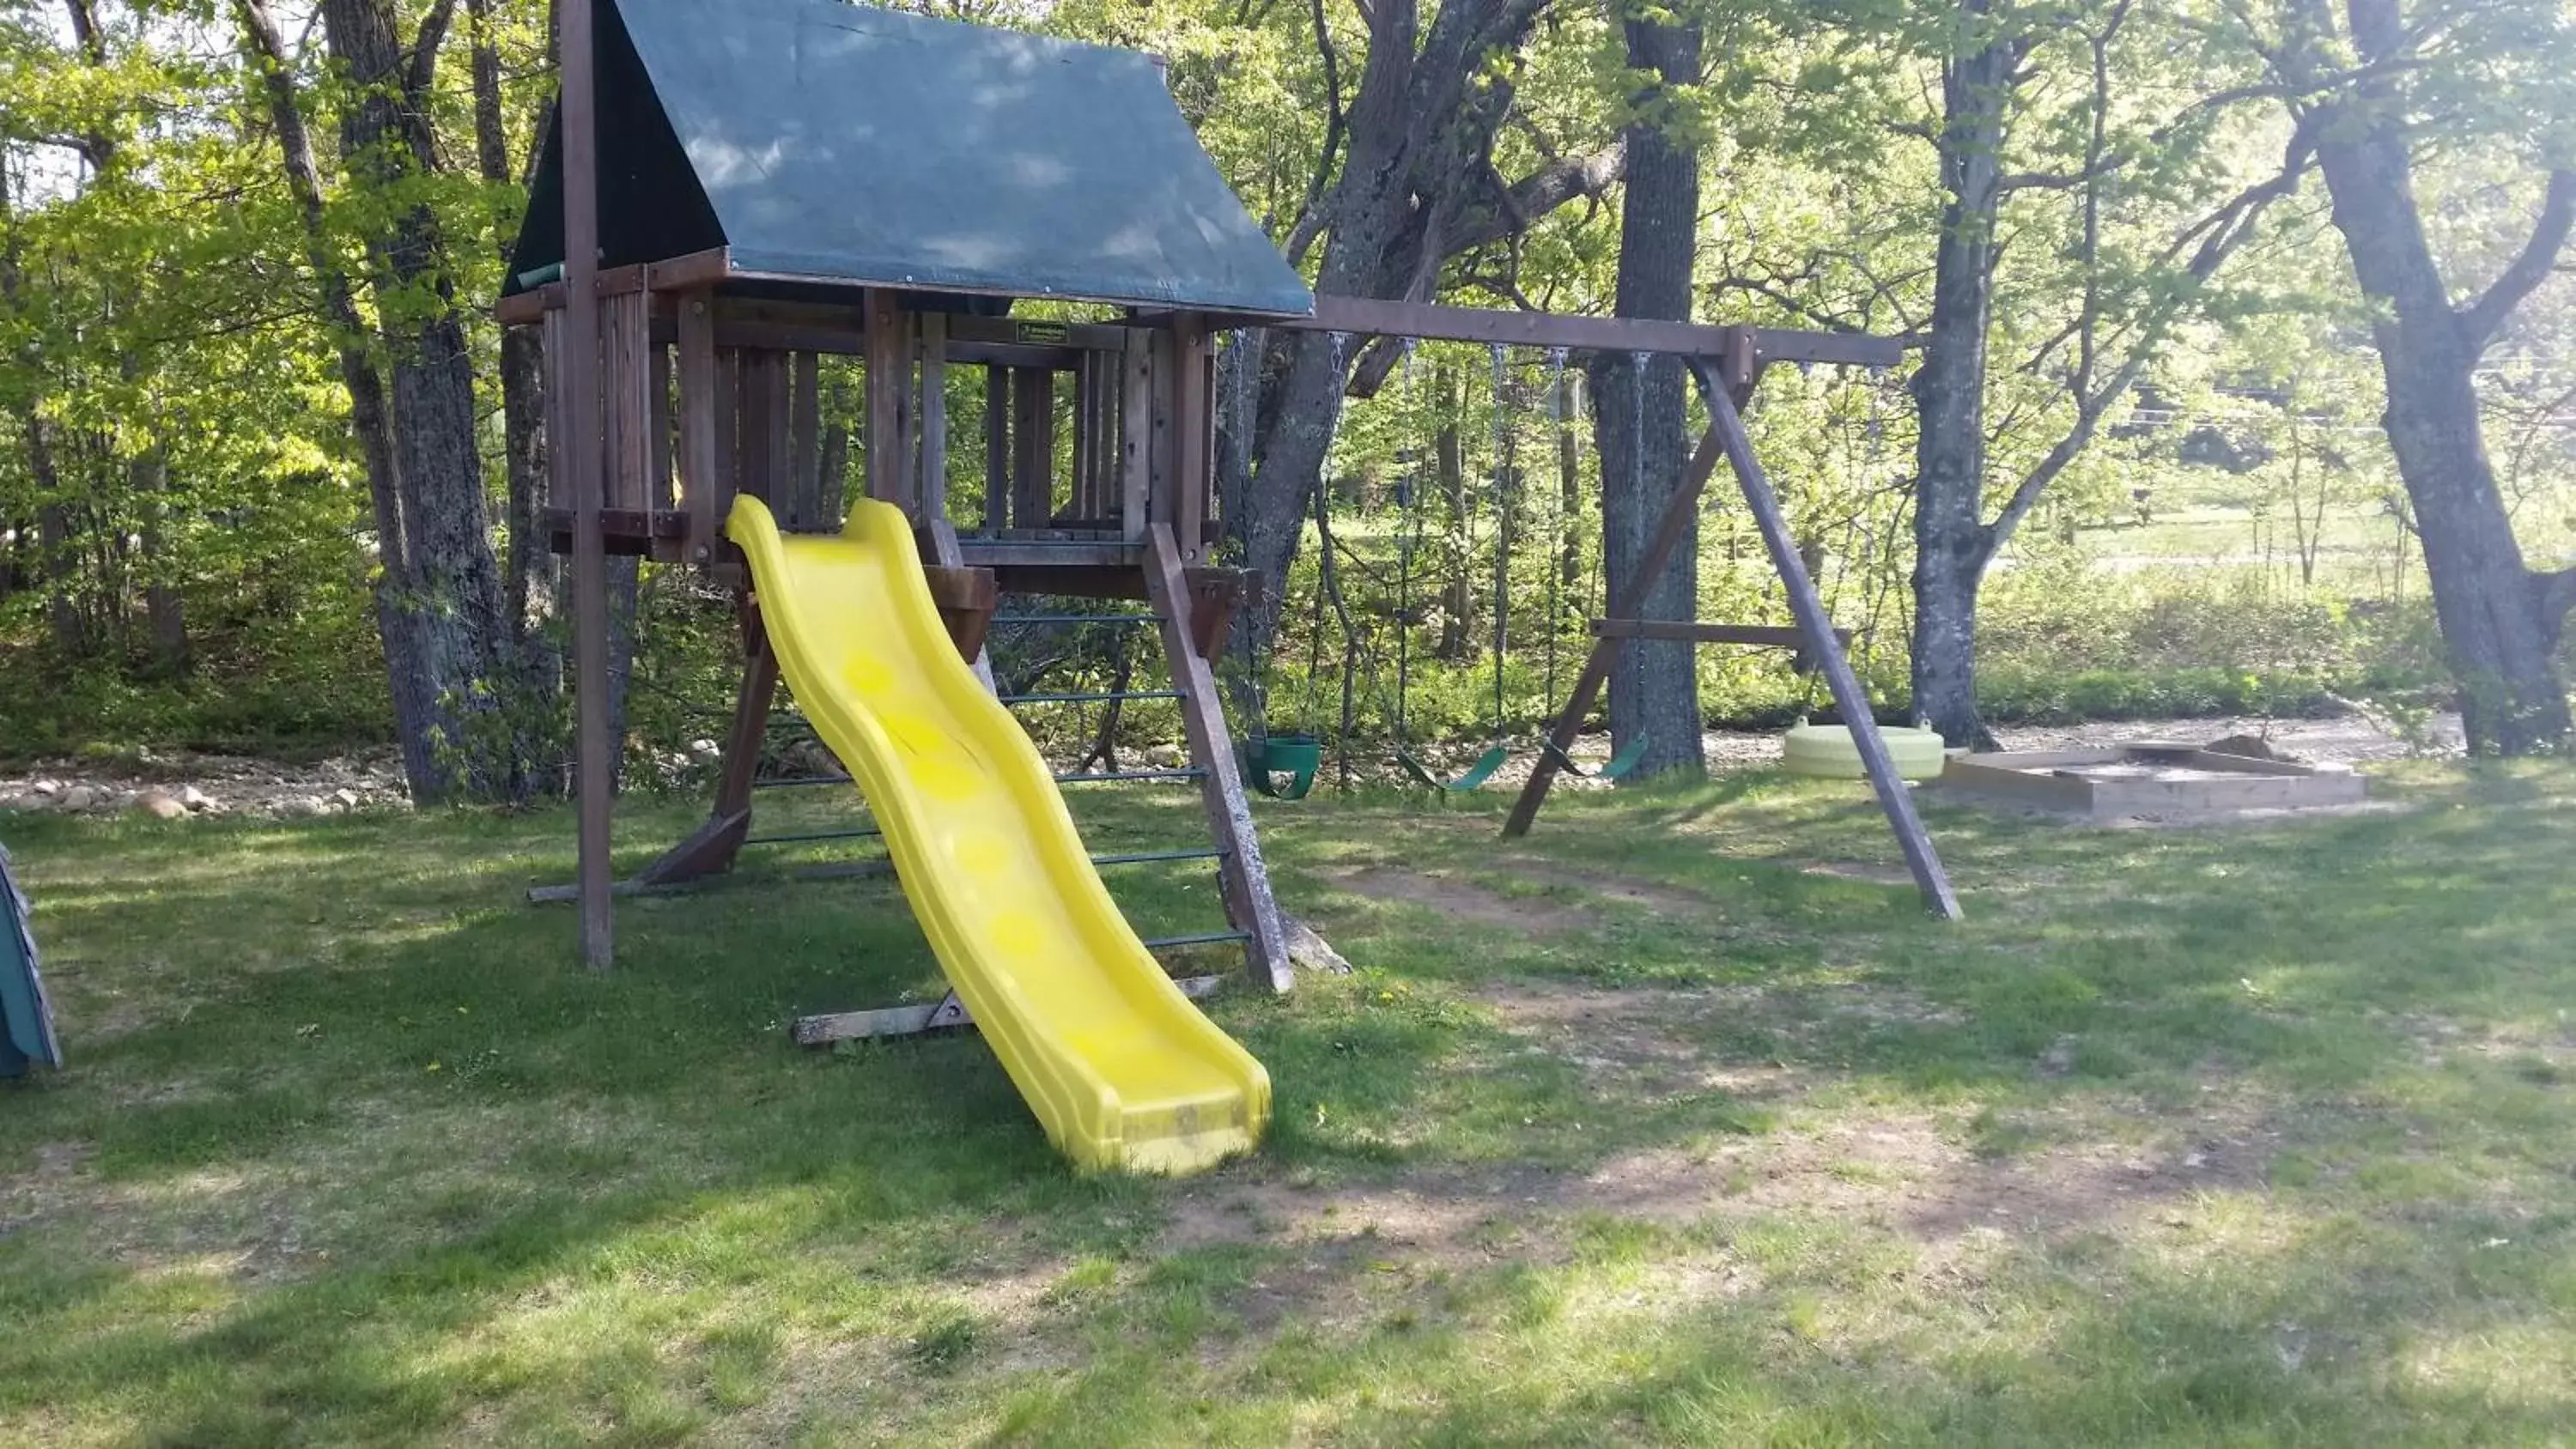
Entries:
{"x":1725,"y":362}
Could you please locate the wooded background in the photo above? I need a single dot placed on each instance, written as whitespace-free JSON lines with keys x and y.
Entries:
{"x":2239,"y":375}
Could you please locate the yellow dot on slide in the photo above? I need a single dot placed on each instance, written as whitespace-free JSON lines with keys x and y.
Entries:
{"x":1015,"y":931}
{"x":866,"y":676}
{"x":979,"y":853}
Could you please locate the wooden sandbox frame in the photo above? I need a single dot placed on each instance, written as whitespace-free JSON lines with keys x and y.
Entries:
{"x":2054,"y":781}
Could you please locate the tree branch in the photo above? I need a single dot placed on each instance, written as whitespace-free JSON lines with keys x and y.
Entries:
{"x":423,"y":67}
{"x":1310,"y":217}
{"x":2481,"y":319}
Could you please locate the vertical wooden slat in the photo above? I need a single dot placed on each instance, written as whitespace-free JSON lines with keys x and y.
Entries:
{"x":889,"y":391}
{"x":1032,"y":446}
{"x":630,"y":405}
{"x":658,"y":410}
{"x":750,"y":433}
{"x":805,"y":443}
{"x":1135,"y":433}
{"x":702,"y":491}
{"x":777,"y":398}
{"x":729,"y":460}
{"x":997,"y":446}
{"x":1193,"y":379}
{"x":930,"y":418}
{"x":1085,"y":430}
{"x":1160,"y":463}
{"x":558,"y":412}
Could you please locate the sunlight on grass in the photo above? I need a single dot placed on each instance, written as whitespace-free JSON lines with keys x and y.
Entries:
{"x":1670,"y":1124}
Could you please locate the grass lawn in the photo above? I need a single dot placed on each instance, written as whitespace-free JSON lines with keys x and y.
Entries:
{"x":1676,"y":1124}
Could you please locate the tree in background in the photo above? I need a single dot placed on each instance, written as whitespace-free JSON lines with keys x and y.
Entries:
{"x":2393,"y":100}
{"x":1644,"y":446}
{"x":2115,"y":186}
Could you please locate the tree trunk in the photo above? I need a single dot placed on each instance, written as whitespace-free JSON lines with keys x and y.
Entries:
{"x":2500,"y":621}
{"x":1654,"y":687}
{"x":466,"y":662}
{"x":395,"y":623}
{"x":1569,"y":491}
{"x":164,"y":613}
{"x":1952,"y":544}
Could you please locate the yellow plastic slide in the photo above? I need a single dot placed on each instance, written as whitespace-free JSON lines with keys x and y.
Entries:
{"x":1119,"y":1066}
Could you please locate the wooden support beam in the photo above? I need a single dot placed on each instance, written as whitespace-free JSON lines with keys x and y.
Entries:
{"x":1376,"y":317}
{"x":1605,"y":650}
{"x":1778,"y":636}
{"x":930,"y":415}
{"x":889,"y":394}
{"x":1726,"y":427}
{"x":965,"y":598}
{"x":711,"y":848}
{"x":593,"y":777}
{"x":1242,"y":877}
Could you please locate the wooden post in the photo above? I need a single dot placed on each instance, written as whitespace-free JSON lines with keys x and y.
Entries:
{"x":1135,"y":434}
{"x":1241,"y":874}
{"x":702,"y":490}
{"x":1605,"y":650}
{"x":931,"y":415}
{"x":889,"y":391}
{"x":593,"y":778}
{"x":804,"y":491}
{"x":1032,"y":446}
{"x":997,"y":447}
{"x":1726,"y":427}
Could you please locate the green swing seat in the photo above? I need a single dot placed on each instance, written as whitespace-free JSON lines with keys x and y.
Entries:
{"x":1620,"y":765}
{"x":1265,"y":758}
{"x":1493,"y":759}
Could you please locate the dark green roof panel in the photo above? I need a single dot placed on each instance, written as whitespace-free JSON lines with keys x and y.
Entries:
{"x":861,"y":144}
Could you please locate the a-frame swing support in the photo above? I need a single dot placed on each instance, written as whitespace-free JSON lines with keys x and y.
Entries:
{"x":1727,"y":438}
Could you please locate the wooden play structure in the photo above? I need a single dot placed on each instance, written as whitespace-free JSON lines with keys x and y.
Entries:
{"x":729,"y":196}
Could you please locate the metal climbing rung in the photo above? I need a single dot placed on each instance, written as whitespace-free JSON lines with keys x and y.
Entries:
{"x":1075,"y":619}
{"x":1142,"y":857}
{"x":1203,"y":938}
{"x":858,"y":832}
{"x":793,"y":782}
{"x":1098,"y":776}
{"x":1100,"y":697}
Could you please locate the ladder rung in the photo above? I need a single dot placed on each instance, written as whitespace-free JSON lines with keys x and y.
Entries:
{"x":1075,"y":619}
{"x":858,"y":832}
{"x":792,"y":782}
{"x":1097,"y":777}
{"x":1142,"y":857}
{"x":1203,"y":938}
{"x":1100,"y":697}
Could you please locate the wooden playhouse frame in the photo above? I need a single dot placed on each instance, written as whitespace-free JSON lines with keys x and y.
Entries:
{"x":675,"y":382}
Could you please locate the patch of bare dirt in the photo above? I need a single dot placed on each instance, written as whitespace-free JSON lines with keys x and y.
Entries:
{"x":1453,"y":897}
{"x":1871,"y":871}
{"x":1644,"y":1038}
{"x":1669,"y":900}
